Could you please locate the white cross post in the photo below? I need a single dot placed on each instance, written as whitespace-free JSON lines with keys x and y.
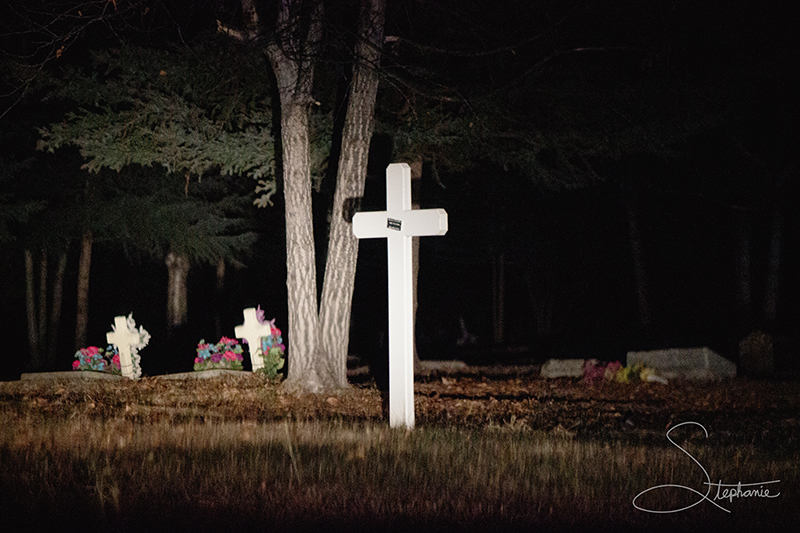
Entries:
{"x":398,"y":224}
{"x":122,"y":338}
{"x":252,"y":330}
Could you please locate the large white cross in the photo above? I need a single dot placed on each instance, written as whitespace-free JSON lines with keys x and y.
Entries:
{"x":252,"y":330}
{"x":122,"y":338}
{"x":398,"y":224}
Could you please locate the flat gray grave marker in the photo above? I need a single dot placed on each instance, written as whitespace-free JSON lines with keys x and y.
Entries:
{"x":700,"y":364}
{"x":562,"y":368}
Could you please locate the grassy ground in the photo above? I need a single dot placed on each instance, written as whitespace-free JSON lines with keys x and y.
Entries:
{"x":241,"y":454}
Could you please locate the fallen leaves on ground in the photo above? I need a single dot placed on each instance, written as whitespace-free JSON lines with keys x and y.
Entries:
{"x":739,"y":410}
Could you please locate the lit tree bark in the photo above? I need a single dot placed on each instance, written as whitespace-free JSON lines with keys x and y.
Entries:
{"x":178,"y":269}
{"x":319,"y":337}
{"x":292,"y":59}
{"x":219,"y":294}
{"x":340,"y":268}
{"x":82,"y":312}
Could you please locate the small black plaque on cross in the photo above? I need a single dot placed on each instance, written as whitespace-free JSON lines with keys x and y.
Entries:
{"x":394,"y":224}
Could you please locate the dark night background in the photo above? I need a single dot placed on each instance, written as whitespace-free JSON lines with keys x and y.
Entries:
{"x":569,"y":284}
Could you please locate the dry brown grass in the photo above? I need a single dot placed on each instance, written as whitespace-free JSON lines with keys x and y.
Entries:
{"x":240,"y":453}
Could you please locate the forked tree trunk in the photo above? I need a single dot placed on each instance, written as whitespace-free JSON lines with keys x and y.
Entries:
{"x":317,"y":356}
{"x":340,"y":267}
{"x":82,"y":312}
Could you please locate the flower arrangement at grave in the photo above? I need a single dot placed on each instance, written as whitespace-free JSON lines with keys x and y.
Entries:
{"x":226,"y":354}
{"x":595,"y":371}
{"x":272,"y":351}
{"x":94,"y":359}
{"x":272,"y":347}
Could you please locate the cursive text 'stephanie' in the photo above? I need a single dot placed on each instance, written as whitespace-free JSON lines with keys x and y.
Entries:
{"x":725,"y":491}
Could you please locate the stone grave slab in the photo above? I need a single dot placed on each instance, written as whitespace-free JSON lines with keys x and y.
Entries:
{"x":699,"y":364}
{"x":204,"y":374}
{"x":70,"y":375}
{"x":562,"y":368}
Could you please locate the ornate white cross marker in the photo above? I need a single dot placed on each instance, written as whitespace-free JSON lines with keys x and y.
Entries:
{"x":252,"y":330}
{"x":122,"y":338}
{"x":398,"y":224}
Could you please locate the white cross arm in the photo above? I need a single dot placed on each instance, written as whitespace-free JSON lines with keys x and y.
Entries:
{"x":416,"y":223}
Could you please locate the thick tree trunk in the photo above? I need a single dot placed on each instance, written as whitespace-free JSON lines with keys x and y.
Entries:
{"x":639,"y":271}
{"x":498,"y":297}
{"x":55,"y":312}
{"x":43,"y":334}
{"x":42,"y":321}
{"x":35,"y":362}
{"x":177,"y":299}
{"x":292,"y":61}
{"x":301,"y":275}
{"x":416,"y":199}
{"x":219,"y":297}
{"x":744,"y":277}
{"x":82,"y":312}
{"x":772,"y":286}
{"x":340,"y":268}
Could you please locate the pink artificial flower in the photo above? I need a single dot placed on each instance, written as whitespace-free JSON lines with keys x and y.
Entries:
{"x":198,"y":360}
{"x":115,"y":361}
{"x":260,"y":315}
{"x":229,"y":355}
{"x":76,"y":365}
{"x":593,"y":371}
{"x":612,"y":369}
{"x":226,"y":340}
